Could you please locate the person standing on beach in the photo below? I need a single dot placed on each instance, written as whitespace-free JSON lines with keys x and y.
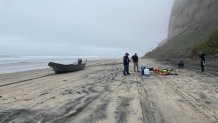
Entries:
{"x":126,"y":64}
{"x":135,"y":60}
{"x":202,"y":61}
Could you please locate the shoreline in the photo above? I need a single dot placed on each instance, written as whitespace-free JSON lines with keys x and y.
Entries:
{"x":26,"y":66}
{"x":23,"y":76}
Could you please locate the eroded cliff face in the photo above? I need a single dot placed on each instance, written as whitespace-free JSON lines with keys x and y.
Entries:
{"x":191,"y":22}
{"x":184,"y":12}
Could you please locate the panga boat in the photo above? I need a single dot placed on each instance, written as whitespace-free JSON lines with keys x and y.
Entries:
{"x":63,"y":68}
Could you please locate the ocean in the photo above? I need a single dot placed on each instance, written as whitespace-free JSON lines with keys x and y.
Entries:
{"x":11,"y":64}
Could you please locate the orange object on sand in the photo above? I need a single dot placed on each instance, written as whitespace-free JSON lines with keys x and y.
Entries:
{"x":163,"y":73}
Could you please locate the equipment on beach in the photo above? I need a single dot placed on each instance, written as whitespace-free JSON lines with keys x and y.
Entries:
{"x":168,"y":72}
{"x":165,"y":72}
{"x":62,"y":68}
{"x":151,"y":69}
{"x":142,"y":70}
{"x":156,"y":69}
{"x":146,"y":72}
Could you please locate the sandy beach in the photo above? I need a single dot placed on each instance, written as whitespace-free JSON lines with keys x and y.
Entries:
{"x":101,"y":94}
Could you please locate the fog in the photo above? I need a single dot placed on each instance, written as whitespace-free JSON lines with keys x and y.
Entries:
{"x":82,"y":27}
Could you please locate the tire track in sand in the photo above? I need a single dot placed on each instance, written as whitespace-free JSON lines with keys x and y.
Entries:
{"x":195,"y":104}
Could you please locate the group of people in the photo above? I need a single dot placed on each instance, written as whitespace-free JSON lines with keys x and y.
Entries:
{"x":126,"y":62}
{"x":135,"y":60}
{"x":202,"y":62}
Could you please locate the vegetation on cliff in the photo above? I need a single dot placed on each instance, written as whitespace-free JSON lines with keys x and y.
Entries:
{"x":209,"y":47}
{"x":191,"y":23}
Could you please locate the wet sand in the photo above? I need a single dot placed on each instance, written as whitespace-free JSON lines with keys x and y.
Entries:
{"x":101,"y":94}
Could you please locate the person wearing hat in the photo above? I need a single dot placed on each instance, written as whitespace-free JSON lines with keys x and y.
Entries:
{"x":126,"y":64}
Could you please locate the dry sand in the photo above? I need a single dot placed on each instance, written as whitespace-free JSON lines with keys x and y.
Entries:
{"x":101,"y":94}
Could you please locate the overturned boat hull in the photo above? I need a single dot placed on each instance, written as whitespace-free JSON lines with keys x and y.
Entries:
{"x":61,"y":68}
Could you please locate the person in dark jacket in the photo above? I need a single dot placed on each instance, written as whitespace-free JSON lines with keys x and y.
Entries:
{"x":181,"y":64}
{"x":202,"y":61}
{"x":135,"y":60}
{"x":126,"y":64}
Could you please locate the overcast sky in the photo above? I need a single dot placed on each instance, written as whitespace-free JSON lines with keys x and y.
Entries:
{"x":82,"y":27}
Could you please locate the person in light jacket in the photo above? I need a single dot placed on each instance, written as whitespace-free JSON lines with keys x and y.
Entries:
{"x":135,"y":60}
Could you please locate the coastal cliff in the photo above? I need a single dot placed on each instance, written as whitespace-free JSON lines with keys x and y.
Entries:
{"x":191,"y":22}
